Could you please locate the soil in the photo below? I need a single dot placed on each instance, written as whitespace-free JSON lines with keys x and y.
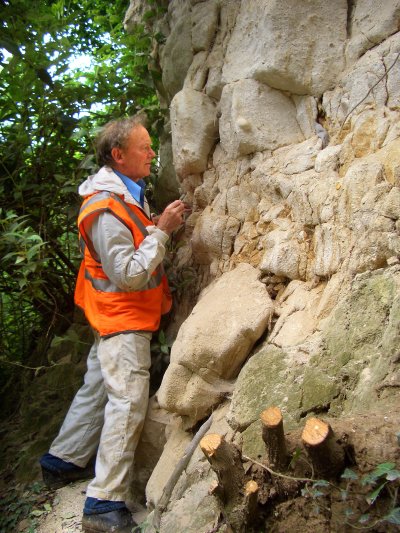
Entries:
{"x":286,"y":506}
{"x":66,"y":513}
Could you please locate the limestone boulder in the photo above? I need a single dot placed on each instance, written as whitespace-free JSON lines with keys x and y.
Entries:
{"x":213,"y":236}
{"x":350,"y":365}
{"x":355,"y":95}
{"x":194,"y":129}
{"x":328,"y":159}
{"x":286,"y":250}
{"x":167,"y":188}
{"x":204,"y":24}
{"x":359,"y":344}
{"x":174,"y":449}
{"x":176,"y":54}
{"x":300,"y":302}
{"x":361,"y":177}
{"x":267,"y":379}
{"x":195,"y":511}
{"x":370,"y":24}
{"x":293,"y":45}
{"x":315,"y":201}
{"x":151,"y":446}
{"x":255,"y":117}
{"x":214,"y":341}
{"x":332,"y":244}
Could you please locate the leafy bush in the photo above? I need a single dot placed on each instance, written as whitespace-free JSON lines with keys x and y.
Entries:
{"x":50,"y":108}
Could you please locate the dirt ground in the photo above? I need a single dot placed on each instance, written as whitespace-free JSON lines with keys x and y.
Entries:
{"x":66,"y":513}
{"x":346,"y":504}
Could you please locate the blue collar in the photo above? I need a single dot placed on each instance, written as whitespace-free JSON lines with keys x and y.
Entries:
{"x":136,"y":188}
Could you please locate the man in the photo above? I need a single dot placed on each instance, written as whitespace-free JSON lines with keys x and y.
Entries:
{"x":123,"y":291}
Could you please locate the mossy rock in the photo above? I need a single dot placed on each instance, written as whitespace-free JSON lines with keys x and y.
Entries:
{"x":264,"y":381}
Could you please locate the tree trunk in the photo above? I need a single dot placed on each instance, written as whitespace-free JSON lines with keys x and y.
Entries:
{"x":238,"y":497}
{"x":274,"y":438}
{"x":326,"y":456}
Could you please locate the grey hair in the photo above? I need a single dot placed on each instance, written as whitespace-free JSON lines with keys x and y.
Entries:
{"x":115,"y":134}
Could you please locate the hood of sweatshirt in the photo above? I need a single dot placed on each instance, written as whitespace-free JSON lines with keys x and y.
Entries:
{"x":105,"y":180}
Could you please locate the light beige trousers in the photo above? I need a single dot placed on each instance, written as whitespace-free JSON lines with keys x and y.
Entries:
{"x":108,"y":413}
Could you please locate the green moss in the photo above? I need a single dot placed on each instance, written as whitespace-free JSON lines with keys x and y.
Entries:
{"x":264,"y":381}
{"x":319,"y":389}
{"x":252,"y":444}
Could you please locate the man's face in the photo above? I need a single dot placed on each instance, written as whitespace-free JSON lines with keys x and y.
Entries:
{"x":134,"y":160}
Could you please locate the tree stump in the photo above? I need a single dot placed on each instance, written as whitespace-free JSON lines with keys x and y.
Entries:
{"x":238,"y":497}
{"x":326,"y":456}
{"x":274,"y":438}
{"x":225,"y":460}
{"x":250,"y":500}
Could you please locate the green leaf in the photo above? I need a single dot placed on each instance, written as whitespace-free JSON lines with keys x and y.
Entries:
{"x":381,"y":470}
{"x":363,"y":518}
{"x":393,"y":475}
{"x":37,"y":512}
{"x":373,"y":496}
{"x":393,"y":517}
{"x":47,"y":507}
{"x":349,"y":474}
{"x":321,"y":483}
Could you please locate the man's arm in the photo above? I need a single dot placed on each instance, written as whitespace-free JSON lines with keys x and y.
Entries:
{"x":127,"y":267}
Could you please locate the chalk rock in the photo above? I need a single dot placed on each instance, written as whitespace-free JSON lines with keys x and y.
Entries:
{"x":371,"y":23}
{"x":255,"y":117}
{"x":213,"y":236}
{"x":354,"y":94}
{"x":214,"y":341}
{"x":204,"y":24}
{"x":293,"y":45}
{"x":194,"y":130}
{"x":177,"y":54}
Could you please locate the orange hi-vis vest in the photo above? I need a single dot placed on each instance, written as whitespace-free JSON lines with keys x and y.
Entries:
{"x":109,"y":309}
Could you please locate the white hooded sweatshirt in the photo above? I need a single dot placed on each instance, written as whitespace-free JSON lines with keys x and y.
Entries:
{"x":127,"y":267}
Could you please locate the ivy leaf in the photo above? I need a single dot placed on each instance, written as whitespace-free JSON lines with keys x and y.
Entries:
{"x":321,"y":483}
{"x":373,"y":496}
{"x":379,"y":471}
{"x":393,"y":475}
{"x":37,"y":512}
{"x":363,"y":518}
{"x":349,"y":474}
{"x":161,"y":337}
{"x":393,"y":517}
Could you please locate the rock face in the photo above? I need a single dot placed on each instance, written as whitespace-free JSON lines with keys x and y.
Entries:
{"x":286,"y":141}
{"x":214,"y":341}
{"x":292,"y":46}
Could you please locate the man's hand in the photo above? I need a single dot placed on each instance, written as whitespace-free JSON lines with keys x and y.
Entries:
{"x":172,"y":217}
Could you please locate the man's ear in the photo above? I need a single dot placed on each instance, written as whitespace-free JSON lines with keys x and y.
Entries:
{"x":116,"y":154}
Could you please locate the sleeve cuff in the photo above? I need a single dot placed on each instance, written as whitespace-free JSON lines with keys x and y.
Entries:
{"x":160,"y":235}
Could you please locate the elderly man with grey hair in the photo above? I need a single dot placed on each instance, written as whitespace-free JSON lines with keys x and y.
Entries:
{"x":123,"y":291}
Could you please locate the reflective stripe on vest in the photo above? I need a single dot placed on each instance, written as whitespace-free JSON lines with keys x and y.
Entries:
{"x":106,"y":285}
